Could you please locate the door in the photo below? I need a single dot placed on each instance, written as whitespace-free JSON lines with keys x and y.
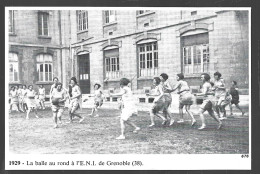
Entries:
{"x":84,"y":73}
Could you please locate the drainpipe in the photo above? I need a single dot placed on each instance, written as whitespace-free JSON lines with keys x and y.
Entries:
{"x":59,"y":23}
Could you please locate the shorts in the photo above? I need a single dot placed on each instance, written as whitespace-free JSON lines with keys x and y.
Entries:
{"x":234,"y":101}
{"x":41,"y":98}
{"x":57,"y":108}
{"x":185,"y":99}
{"x":158,"y":106}
{"x":99,"y":103}
{"x":14,"y":100}
{"x":74,"y":105}
{"x":225,"y":102}
{"x":206,"y":105}
{"x":127,"y":113}
{"x":31,"y":103}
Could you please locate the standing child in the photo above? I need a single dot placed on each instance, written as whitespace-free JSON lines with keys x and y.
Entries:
{"x":158,"y":103}
{"x":224,"y":103}
{"x":235,"y":98}
{"x":14,"y":99}
{"x":74,"y":96}
{"x":185,"y":99}
{"x":42,"y":96}
{"x":129,"y":107}
{"x":167,"y":97}
{"x":98,"y":99}
{"x":20,"y":97}
{"x":207,"y":101}
{"x":58,"y":103}
{"x":220,"y":92}
{"x":31,"y":101}
{"x":24,"y":98}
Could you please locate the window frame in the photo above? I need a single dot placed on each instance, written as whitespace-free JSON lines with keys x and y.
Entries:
{"x":200,"y":62}
{"x":148,"y":58}
{"x":41,"y":24}
{"x":11,"y":22}
{"x":107,"y":16}
{"x":44,"y":63}
{"x":111,"y":67}
{"x":80,"y":20}
{"x":13,"y":62}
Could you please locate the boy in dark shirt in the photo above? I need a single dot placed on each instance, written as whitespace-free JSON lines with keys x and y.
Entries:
{"x":235,"y":97}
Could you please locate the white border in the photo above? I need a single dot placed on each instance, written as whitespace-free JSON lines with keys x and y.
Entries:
{"x":150,"y":161}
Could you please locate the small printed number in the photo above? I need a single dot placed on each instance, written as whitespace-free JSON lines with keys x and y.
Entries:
{"x":14,"y":162}
{"x":245,"y":156}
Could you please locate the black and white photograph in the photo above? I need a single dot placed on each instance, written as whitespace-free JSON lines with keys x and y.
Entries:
{"x":128,"y":86}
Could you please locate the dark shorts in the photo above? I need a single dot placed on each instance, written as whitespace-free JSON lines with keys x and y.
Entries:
{"x":206,"y":105}
{"x":99,"y":103}
{"x":234,"y":102}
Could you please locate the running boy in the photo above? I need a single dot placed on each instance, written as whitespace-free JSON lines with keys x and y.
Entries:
{"x":41,"y":96}
{"x":129,"y":107}
{"x":98,"y":99}
{"x":158,"y":103}
{"x":207,"y":101}
{"x":58,"y":103}
{"x":31,"y":101}
{"x":235,"y":98}
{"x":185,"y":99}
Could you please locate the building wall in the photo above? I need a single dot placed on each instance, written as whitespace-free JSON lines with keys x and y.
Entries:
{"x":28,"y":44}
{"x":228,"y":44}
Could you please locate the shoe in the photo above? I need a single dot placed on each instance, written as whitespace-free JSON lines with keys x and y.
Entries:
{"x":81,"y":119}
{"x":202,"y":127}
{"x":180,"y":121}
{"x":221,"y":118}
{"x":136,"y":129}
{"x":220,"y":126}
{"x":171,"y":122}
{"x":164,"y":122}
{"x":121,"y":137}
{"x":36,"y":116}
{"x":96,"y":116}
{"x":193,"y":122}
{"x":27,"y":118}
{"x":55,"y":126}
{"x":151,"y":125}
{"x":68,"y":122}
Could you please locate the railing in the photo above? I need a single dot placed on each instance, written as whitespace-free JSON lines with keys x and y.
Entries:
{"x":148,"y":72}
{"x":112,"y":74}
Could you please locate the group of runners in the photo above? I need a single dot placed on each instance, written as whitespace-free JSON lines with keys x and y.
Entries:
{"x":214,"y":93}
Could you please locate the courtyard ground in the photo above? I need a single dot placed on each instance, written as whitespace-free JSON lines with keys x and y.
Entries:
{"x":97,"y":135}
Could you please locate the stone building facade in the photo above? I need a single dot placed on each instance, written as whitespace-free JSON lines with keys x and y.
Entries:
{"x":102,"y":46}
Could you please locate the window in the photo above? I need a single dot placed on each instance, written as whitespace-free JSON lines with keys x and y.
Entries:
{"x":110,"y":16}
{"x":112,"y":63}
{"x":11,"y":21}
{"x":43,"y":26}
{"x":196,"y":58}
{"x":139,"y":12}
{"x":13,"y":67}
{"x":148,"y":59}
{"x":44,"y":67}
{"x":82,"y":20}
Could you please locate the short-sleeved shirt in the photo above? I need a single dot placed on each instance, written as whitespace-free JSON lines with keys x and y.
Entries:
{"x":98,"y":95}
{"x":206,"y":88}
{"x":30,"y":93}
{"x":14,"y":93}
{"x":75,"y":91}
{"x":59,"y":94}
{"x":42,"y":91}
{"x":158,"y":91}
{"x":219,"y":92}
{"x":234,"y":93}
